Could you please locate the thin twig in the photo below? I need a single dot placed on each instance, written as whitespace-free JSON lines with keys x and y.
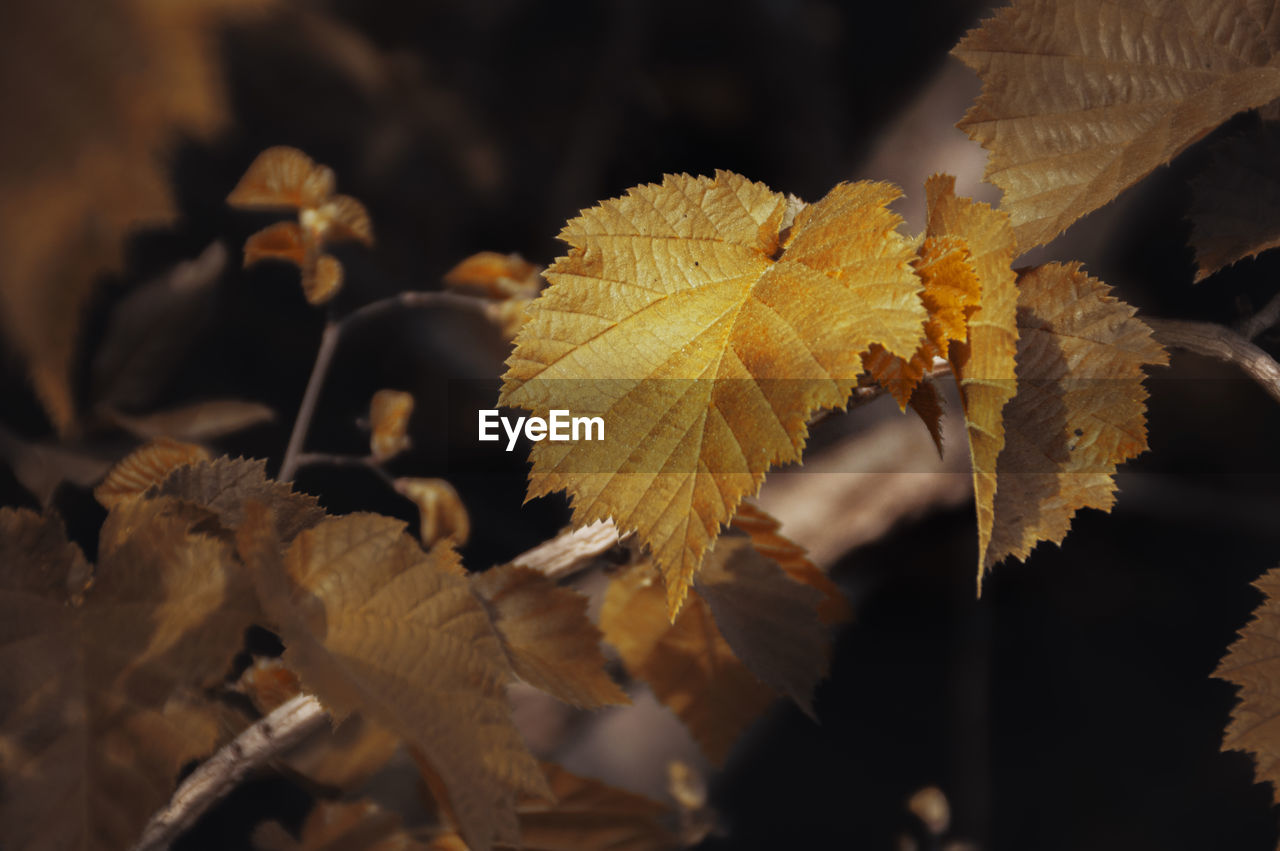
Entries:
{"x":288,"y":725}
{"x":1218,"y":341}
{"x":333,"y":331}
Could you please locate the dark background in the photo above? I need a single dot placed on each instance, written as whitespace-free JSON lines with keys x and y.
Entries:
{"x":1071,"y":707}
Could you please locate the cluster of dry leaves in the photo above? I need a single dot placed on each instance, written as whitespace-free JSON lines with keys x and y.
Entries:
{"x":759,"y":308}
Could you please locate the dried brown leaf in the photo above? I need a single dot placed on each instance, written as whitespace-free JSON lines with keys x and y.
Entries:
{"x":1253,"y":664}
{"x":705,"y":336}
{"x":146,"y":467}
{"x":102,"y":705}
{"x":389,"y":412}
{"x":223,"y":486}
{"x":372,"y":623}
{"x":1080,"y":409}
{"x":547,"y":637}
{"x":1235,"y":201}
{"x":1083,"y":99}
{"x":688,"y":663}
{"x":441,"y":514}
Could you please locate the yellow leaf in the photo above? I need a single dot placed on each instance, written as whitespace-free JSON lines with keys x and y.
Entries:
{"x":341,"y":219}
{"x":107,"y":91}
{"x":984,"y":365}
{"x":372,"y":623}
{"x":1253,"y":664}
{"x":280,"y":241}
{"x":283,"y":178}
{"x":144,"y":468}
{"x":1235,"y":201}
{"x":705,"y":333}
{"x":321,"y":282}
{"x":441,"y":513}
{"x":498,"y":276}
{"x":1082,"y":99}
{"x":103,"y":704}
{"x":547,"y":637}
{"x":1080,"y":409}
{"x":689,"y":665}
{"x":389,"y":412}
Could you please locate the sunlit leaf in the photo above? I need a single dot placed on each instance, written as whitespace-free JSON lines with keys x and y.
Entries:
{"x":280,"y":241}
{"x":441,"y":514}
{"x":283,"y":178}
{"x":499,"y":276}
{"x":389,"y":412}
{"x":705,"y":334}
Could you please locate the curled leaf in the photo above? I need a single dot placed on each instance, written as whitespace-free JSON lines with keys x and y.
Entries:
{"x":442,"y":516}
{"x":283,"y":178}
{"x":144,"y":468}
{"x":499,"y":276}
{"x":389,"y":412}
{"x":704,"y":335}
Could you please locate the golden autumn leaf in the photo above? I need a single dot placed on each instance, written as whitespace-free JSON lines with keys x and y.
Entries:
{"x":224,"y":485}
{"x":833,"y":608}
{"x":283,"y":178}
{"x":389,"y":412}
{"x":1080,"y":409}
{"x":705,"y":330}
{"x":144,"y":468}
{"x":1235,"y":201}
{"x":984,"y":364}
{"x":103,"y":703}
{"x":1253,"y":664}
{"x":371,"y":623}
{"x":547,"y":637}
{"x":280,"y":241}
{"x":441,"y":513}
{"x":498,"y":276}
{"x":1081,"y":100}
{"x":108,"y":88}
{"x":687,"y":663}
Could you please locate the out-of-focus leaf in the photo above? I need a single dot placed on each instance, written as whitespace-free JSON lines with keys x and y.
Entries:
{"x":371,"y":623}
{"x":499,"y":276}
{"x":1235,"y":201}
{"x":688,"y":663}
{"x":144,"y":468}
{"x":1082,"y":99}
{"x":98,"y":92}
{"x":280,"y":241}
{"x":102,"y":704}
{"x":151,"y":330}
{"x":41,"y":467}
{"x":769,"y":542}
{"x":546,"y":635}
{"x":389,"y":412}
{"x":283,"y":178}
{"x":195,"y":422}
{"x":441,"y":514}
